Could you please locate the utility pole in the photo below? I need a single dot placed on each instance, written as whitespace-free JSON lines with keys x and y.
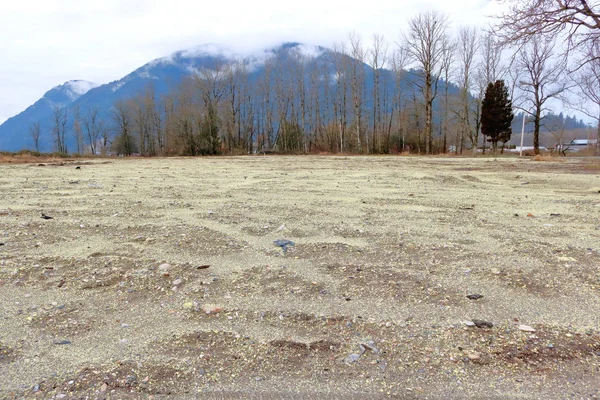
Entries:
{"x":522,"y":136}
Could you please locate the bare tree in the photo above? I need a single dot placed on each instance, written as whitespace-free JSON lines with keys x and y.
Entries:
{"x":426,"y":40}
{"x":35,"y":131}
{"x":399,"y":62}
{"x":59,"y":129}
{"x":577,"y":20}
{"x":447,"y":62}
{"x":92,"y":128}
{"x":77,"y":132}
{"x":467,"y":49}
{"x":357,"y":84}
{"x":587,"y":92}
{"x":489,"y":70}
{"x":543,"y":79}
{"x":378,"y":59}
{"x":124,"y":143}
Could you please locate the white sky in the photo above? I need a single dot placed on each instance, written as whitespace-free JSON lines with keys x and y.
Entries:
{"x":44,"y":43}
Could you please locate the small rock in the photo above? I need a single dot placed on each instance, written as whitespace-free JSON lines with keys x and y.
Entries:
{"x":482,"y":324}
{"x":203,"y":267}
{"x":469,"y":323}
{"x":352,"y":358}
{"x":567,"y":259}
{"x":495,"y":271}
{"x":104,"y":387}
{"x":188,"y":306}
{"x":370,"y":345}
{"x":62,"y":342}
{"x":177,"y":282}
{"x":164,"y":267}
{"x":211,"y":308}
{"x":474,"y":296}
{"x":474,"y":356}
{"x":526,"y":328}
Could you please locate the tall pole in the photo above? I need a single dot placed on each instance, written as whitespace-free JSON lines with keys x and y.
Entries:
{"x":522,"y":136}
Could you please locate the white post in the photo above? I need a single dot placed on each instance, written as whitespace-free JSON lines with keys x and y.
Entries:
{"x":522,"y":136}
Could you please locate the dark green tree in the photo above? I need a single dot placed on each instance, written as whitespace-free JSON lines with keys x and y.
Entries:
{"x":496,"y":114}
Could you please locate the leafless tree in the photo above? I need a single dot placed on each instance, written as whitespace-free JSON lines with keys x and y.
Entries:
{"x":357,"y":84}
{"x":121,"y":115}
{"x":92,"y":128}
{"x":399,"y":63}
{"x":467,"y":50}
{"x":59,"y":129}
{"x":426,"y":40}
{"x":576,"y":20}
{"x":447,"y":62}
{"x":77,"y":131}
{"x":587,"y":89}
{"x":543,"y":79}
{"x":35,"y":131}
{"x":378,"y":59}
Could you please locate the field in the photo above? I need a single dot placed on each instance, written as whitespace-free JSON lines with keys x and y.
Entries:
{"x":158,"y":278}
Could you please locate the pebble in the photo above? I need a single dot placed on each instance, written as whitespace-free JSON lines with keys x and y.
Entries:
{"x":164,"y":267}
{"x":482,"y":324}
{"x":474,"y":355}
{"x":61,"y":342}
{"x":474,"y":296}
{"x":352,"y":358}
{"x":211,"y":309}
{"x":104,"y":387}
{"x":495,"y":271}
{"x":188,"y":306}
{"x":526,"y":328}
{"x":177,"y":282}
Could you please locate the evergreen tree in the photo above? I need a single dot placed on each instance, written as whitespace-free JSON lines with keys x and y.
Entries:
{"x":496,"y":114}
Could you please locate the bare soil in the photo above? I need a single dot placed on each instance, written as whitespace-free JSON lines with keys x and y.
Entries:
{"x":159,"y":278}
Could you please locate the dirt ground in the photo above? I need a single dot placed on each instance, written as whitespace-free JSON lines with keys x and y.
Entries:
{"x":159,"y":278}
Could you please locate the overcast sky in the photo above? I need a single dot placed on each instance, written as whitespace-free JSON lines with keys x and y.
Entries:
{"x":45,"y":43}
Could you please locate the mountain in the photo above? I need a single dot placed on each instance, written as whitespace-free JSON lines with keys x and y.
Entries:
{"x":164,"y":73}
{"x":14,"y":131}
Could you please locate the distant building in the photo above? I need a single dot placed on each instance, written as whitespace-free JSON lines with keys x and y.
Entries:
{"x":577,"y":145}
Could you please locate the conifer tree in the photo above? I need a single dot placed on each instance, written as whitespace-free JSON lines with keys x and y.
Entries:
{"x":496,"y":114}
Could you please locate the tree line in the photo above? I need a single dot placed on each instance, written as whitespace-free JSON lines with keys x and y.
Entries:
{"x":362,"y":96}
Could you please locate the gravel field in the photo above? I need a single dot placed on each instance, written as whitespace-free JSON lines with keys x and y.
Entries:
{"x":307,"y":277}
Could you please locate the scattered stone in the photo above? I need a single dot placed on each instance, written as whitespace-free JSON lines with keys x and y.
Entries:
{"x":474,"y":356}
{"x":211,"y":309}
{"x":203,"y":267}
{"x":482,"y":324}
{"x":352,"y":358}
{"x":495,"y":271}
{"x":78,"y":167}
{"x":526,"y":328}
{"x":164,"y":267}
{"x":44,"y":216}
{"x":567,"y":259}
{"x":104,"y":387}
{"x":188,"y":306}
{"x":524,"y":183}
{"x":469,"y":323}
{"x":62,"y":342}
{"x":530,"y":215}
{"x":370,"y":345}
{"x":474,"y":296}
{"x":177,"y":282}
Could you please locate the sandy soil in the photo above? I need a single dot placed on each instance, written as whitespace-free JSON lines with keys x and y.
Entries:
{"x":160,"y":278}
